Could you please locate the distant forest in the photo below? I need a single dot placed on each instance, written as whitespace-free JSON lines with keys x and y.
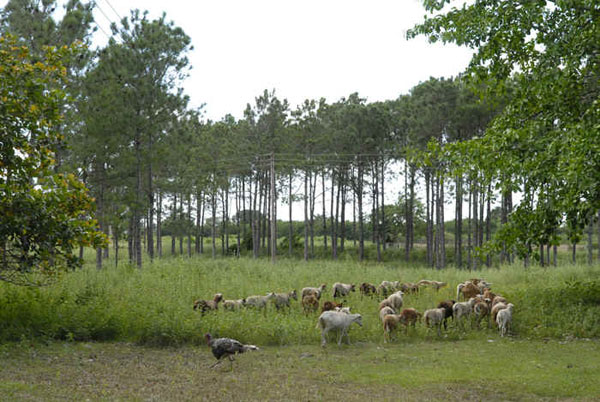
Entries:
{"x":156,"y":167}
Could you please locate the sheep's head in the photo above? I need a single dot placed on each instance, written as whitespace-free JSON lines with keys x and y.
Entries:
{"x":358,"y":319}
{"x":294,"y":295}
{"x":218,"y":297}
{"x":270,"y":295}
{"x":323,"y":286}
{"x":352,"y":287}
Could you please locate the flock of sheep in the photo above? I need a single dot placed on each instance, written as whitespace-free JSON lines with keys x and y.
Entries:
{"x":480,"y":304}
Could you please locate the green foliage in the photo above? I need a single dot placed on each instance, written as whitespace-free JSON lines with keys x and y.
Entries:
{"x":546,"y":142}
{"x":44,"y":215}
{"x":154,"y":306}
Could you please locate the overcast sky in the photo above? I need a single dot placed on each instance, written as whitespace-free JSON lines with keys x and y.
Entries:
{"x":303,"y":49}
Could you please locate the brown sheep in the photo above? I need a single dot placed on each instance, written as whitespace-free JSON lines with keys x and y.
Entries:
{"x":409,"y":316}
{"x":310,"y":304}
{"x":390,"y":323}
{"x":495,"y":309}
{"x":467,"y":290}
{"x":330,"y":305}
{"x":207,"y":305}
{"x":367,"y":289}
{"x":481,"y":311}
{"x":498,"y":299}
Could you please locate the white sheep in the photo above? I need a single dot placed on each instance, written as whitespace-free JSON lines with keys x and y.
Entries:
{"x":385,"y":310}
{"x":394,"y":301}
{"x":463,"y":309}
{"x":337,"y":321}
{"x":259,"y":301}
{"x":283,"y":299}
{"x":504,"y":319}
{"x":342,"y":289}
{"x":434,"y":318}
{"x":497,"y":307}
{"x":345,"y":310}
{"x":314,"y":291}
{"x":233,"y":304}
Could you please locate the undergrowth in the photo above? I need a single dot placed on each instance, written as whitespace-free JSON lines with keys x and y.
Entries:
{"x":154,"y":305}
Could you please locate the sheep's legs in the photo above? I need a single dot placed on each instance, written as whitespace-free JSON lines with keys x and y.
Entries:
{"x":217,"y":363}
{"x":323,"y":337}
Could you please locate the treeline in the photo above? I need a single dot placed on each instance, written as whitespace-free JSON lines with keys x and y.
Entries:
{"x":148,"y":158}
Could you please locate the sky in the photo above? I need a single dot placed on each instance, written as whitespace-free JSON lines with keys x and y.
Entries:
{"x":303,"y":49}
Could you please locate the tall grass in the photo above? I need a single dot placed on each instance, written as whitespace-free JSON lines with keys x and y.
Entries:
{"x":154,"y":305}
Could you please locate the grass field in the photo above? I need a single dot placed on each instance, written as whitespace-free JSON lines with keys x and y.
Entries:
{"x":476,"y":370}
{"x":129,"y":334}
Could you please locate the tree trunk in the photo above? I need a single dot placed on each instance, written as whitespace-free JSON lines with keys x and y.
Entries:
{"x":159,"y":226}
{"x":182,"y":220}
{"x":273,"y":211}
{"x":174,"y":226}
{"x":189,"y":223}
{"x":459,"y":223}
{"x":291,"y":222}
{"x":343,"y":211}
{"x":333,"y":239}
{"x":116,"y":235}
{"x":198,"y":213}
{"x":213,"y":232}
{"x":150,"y":233}
{"x":324,"y":212}
{"x":361,"y":231}
{"x":383,"y":226}
{"x":313,"y":190}
{"x":470,"y":229}
{"x":305,"y":216}
{"x":488,"y":223}
{"x":429,"y":212}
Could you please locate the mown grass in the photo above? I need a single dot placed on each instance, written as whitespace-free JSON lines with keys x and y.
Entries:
{"x":480,"y":369}
{"x":153,"y":305}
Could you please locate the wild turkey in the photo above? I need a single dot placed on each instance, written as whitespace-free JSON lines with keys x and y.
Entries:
{"x":226,"y":347}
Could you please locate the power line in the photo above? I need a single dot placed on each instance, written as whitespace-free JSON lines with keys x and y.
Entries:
{"x":112,"y":8}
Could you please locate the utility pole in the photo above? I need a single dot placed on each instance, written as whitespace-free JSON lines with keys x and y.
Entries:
{"x":273,"y":211}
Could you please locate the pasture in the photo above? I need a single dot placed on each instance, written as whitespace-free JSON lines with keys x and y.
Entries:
{"x":124,"y":333}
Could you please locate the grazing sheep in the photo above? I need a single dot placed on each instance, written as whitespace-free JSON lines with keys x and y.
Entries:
{"x":332,"y":320}
{"x":386,"y":288}
{"x":463,"y":309}
{"x":233,"y":304}
{"x":409,"y":287}
{"x":207,"y":305}
{"x":495,"y":309}
{"x":434,"y":318}
{"x":488,"y":294}
{"x":498,"y":299}
{"x":481,"y":309}
{"x":394,"y":300}
{"x":283,"y":299}
{"x":448,"y":311}
{"x":367,"y":289}
{"x":504,"y":319}
{"x":310,"y":304}
{"x":259,"y":301}
{"x":409,"y":316}
{"x":467,"y":289}
{"x":434,"y":284}
{"x":390,"y":323}
{"x":385,"y":310}
{"x":342,"y":289}
{"x":316,"y":291}
{"x":330,"y":305}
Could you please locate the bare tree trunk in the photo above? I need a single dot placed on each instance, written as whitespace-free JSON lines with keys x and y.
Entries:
{"x":324,"y":212}
{"x":291,"y":222}
{"x":333,"y":240}
{"x":305,"y":216}
{"x":475,"y":262}
{"x":361,"y":234}
{"x":313,"y":190}
{"x":198,"y":213}
{"x":189,"y":223}
{"x":159,"y":225}
{"x":429,"y":212}
{"x":116,"y":235}
{"x":202,"y":223}
{"x":343,"y":211}
{"x":182,"y":220}
{"x":459,"y":223}
{"x":488,"y":223}
{"x":273,"y":211}
{"x":238,"y":209}
{"x":470,"y":229}
{"x":150,"y":233}
{"x":383,"y":226}
{"x":174,"y":226}
{"x":254,"y":218}
{"x":213,"y":233}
